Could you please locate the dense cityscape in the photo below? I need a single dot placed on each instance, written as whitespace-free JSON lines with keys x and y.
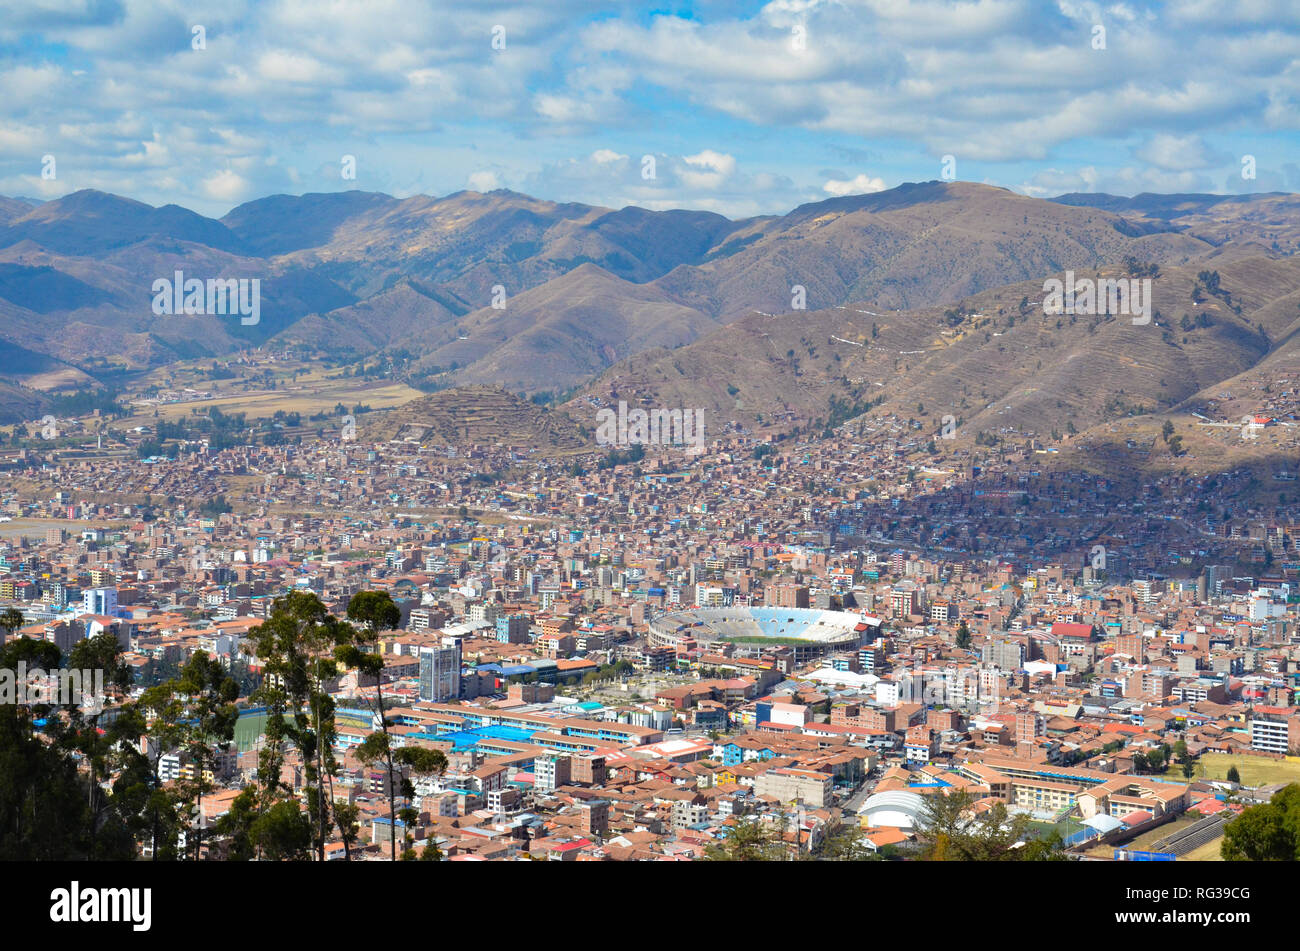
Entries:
{"x":857,"y":441}
{"x":634,"y":661}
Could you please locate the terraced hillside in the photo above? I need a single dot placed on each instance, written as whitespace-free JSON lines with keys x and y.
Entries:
{"x":480,"y":415}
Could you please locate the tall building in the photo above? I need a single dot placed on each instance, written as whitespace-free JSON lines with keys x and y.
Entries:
{"x":903,"y":602}
{"x":512,"y":629}
{"x":551,"y":771}
{"x":1004,"y":653}
{"x":99,"y":601}
{"x":1270,"y":730}
{"x":439,"y":673}
{"x":588,"y":770}
{"x":1029,"y":726}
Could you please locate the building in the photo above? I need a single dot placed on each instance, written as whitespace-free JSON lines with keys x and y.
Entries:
{"x":439,"y":673}
{"x":1270,"y":730}
{"x":512,"y":629}
{"x":791,"y":785}
{"x":588,"y":771}
{"x":99,"y":601}
{"x":552,"y":771}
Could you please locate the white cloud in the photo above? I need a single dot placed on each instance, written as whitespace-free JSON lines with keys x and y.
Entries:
{"x":484,"y":181}
{"x":287,"y":66}
{"x":1177,"y":153}
{"x":226,"y":186}
{"x":857,"y":185}
{"x":293,"y":84}
{"x":707,"y":169}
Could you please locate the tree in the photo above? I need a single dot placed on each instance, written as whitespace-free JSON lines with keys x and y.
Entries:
{"x":296,"y":646}
{"x":1266,"y":833}
{"x":963,"y":636}
{"x":49,"y":808}
{"x":843,"y":842}
{"x":374,"y":611}
{"x":1234,"y":776}
{"x":80,"y":733}
{"x":401,"y":763}
{"x":209,"y":726}
{"x":11,"y":619}
{"x":749,"y":840}
{"x":1155,"y":759}
{"x":953,"y":830}
{"x":283,"y":833}
{"x":347,"y":818}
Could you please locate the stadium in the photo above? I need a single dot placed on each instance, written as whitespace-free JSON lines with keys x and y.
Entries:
{"x":811,"y":633}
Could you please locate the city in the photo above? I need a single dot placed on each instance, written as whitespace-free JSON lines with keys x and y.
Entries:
{"x":810,"y":435}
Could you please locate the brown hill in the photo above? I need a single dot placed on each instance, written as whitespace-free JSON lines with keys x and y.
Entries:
{"x":478,"y":415}
{"x":357,"y":273}
{"x":994,"y":361}
{"x":566,"y":331}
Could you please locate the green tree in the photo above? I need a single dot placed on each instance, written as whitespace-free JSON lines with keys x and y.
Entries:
{"x":953,"y":830}
{"x":373,"y":612}
{"x":1266,"y":833}
{"x":296,"y":646}
{"x":49,"y":809}
{"x":283,"y":833}
{"x":208,"y":728}
{"x":1233,"y":776}
{"x":79,"y":732}
{"x":11,"y":619}
{"x":963,"y":636}
{"x":749,"y":840}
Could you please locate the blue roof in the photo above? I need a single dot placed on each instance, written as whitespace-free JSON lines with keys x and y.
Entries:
{"x":468,"y":739}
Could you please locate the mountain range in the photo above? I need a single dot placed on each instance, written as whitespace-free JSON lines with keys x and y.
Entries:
{"x":915,"y":295}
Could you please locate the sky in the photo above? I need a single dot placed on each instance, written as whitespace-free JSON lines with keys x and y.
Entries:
{"x":739,"y":108}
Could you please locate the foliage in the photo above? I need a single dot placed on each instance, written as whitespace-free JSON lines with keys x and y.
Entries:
{"x":1266,"y":833}
{"x":749,"y":840}
{"x":954,"y":831}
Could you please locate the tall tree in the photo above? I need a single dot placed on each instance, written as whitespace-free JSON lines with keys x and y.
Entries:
{"x":296,"y":647}
{"x":373,"y":612}
{"x":93,"y":659}
{"x":208,"y":729}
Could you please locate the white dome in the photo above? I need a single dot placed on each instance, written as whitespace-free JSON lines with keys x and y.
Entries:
{"x":896,"y":809}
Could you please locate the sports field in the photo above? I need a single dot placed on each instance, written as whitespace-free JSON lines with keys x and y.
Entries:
{"x":1254,"y":770}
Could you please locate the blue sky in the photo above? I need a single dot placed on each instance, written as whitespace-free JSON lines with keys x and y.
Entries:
{"x":746,"y":108}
